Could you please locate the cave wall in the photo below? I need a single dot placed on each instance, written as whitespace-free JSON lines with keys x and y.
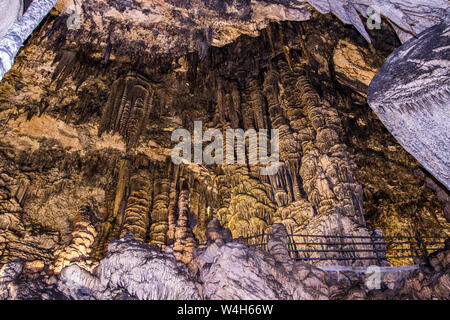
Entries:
{"x":85,"y":152}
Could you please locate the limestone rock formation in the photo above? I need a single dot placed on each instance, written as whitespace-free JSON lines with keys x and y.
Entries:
{"x":99,"y":134}
{"x":128,"y":105}
{"x":134,"y":270}
{"x":442,"y":194}
{"x":16,"y":34}
{"x":411,"y":96}
{"x":13,"y":10}
{"x":215,"y":232}
{"x":351,"y":69}
{"x":86,"y":120}
{"x":233,"y":271}
{"x":177,"y":28}
{"x":185,"y":243}
{"x":174,"y":28}
{"x":81,"y":245}
{"x":131,"y":270}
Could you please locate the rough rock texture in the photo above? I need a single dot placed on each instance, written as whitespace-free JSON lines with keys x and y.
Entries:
{"x":215,"y":232}
{"x":17,"y":33}
{"x":176,"y":27}
{"x":134,"y":270}
{"x":233,"y":271}
{"x":442,"y":194}
{"x":411,"y":96}
{"x":13,"y":10}
{"x":16,"y":285}
{"x":83,"y":132}
{"x":351,"y":68}
{"x":130,"y":270}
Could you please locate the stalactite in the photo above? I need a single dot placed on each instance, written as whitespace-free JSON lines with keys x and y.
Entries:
{"x":128,"y":106}
{"x":286,"y":50}
{"x":281,"y":187}
{"x":270,"y":37}
{"x":289,"y":145}
{"x":114,"y":199}
{"x":235,"y":113}
{"x":289,"y":148}
{"x":257,"y":104}
{"x":302,"y":44}
{"x":220,"y":101}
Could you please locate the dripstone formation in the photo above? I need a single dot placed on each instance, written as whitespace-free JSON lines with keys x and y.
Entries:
{"x":226,"y":270}
{"x":89,"y":195}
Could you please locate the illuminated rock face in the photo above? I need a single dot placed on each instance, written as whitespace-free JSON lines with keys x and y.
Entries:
{"x":226,"y":270}
{"x":133,"y":270}
{"x":86,"y":145}
{"x":411,"y":96}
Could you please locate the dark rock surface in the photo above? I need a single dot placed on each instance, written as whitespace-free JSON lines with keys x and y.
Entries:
{"x":177,"y":27}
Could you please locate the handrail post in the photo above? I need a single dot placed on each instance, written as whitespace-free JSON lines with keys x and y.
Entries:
{"x":262,"y":239}
{"x":374,"y":245}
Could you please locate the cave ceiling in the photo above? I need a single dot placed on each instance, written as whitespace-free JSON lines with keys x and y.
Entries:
{"x":176,"y":27}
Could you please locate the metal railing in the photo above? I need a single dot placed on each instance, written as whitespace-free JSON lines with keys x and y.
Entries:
{"x":398,"y":250}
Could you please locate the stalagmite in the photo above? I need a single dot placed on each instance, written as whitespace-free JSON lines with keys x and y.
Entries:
{"x":185,"y":243}
{"x":173,"y":207}
{"x":79,"y":250}
{"x":138,"y":204}
{"x":159,"y":223}
{"x":277,"y":246}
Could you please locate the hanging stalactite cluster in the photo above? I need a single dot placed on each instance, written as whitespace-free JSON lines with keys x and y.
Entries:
{"x":108,"y":142}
